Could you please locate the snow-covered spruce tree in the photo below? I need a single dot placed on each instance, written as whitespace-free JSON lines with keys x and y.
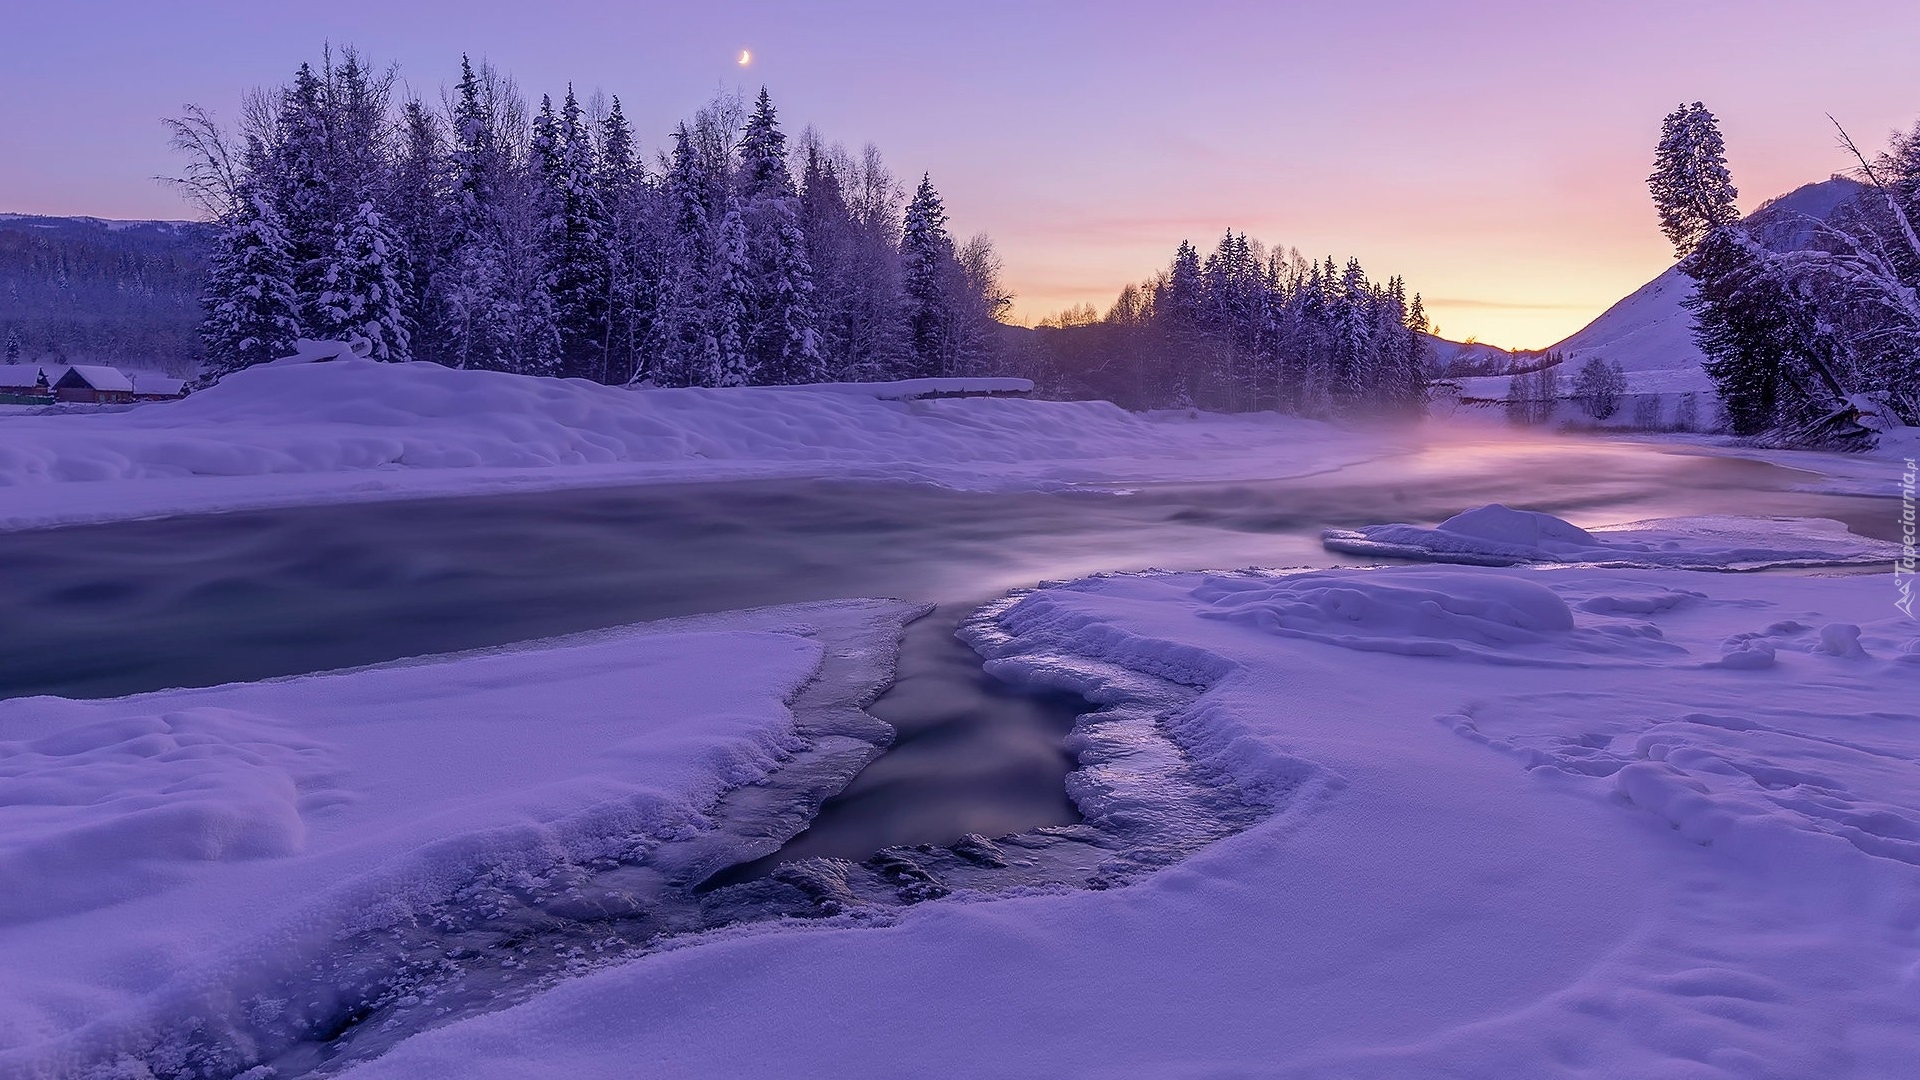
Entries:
{"x":693,"y":339}
{"x":576,"y":227}
{"x":252,"y":314}
{"x":362,"y":290}
{"x":1597,"y":387}
{"x":1691,"y":186}
{"x":730,"y":290}
{"x":633,"y":275}
{"x":416,"y":198}
{"x":781,"y":340}
{"x":13,"y":347}
{"x":1179,"y":316}
{"x":1757,"y":331}
{"x":1355,"y":354}
{"x":926,"y":252}
{"x":1232,"y":312}
{"x":327,"y":156}
{"x":470,"y":290}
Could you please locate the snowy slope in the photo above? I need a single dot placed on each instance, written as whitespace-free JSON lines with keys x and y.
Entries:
{"x":1650,"y":334}
{"x":1550,"y":825}
{"x":352,"y":430}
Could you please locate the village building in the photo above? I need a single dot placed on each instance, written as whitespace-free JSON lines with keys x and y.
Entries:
{"x":93,"y":383}
{"x":24,"y":384}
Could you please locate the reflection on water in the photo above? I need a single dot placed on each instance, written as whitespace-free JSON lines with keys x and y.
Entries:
{"x":112,"y":609}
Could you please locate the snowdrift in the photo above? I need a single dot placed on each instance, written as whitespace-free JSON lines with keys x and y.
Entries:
{"x":358,"y":429}
{"x":1627,"y":862}
{"x":184,"y":868}
{"x":1496,"y":535}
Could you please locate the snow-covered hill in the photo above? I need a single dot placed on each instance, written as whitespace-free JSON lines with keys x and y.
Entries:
{"x":1650,"y":334}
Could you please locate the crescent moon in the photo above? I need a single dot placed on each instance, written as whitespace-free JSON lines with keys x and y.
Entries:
{"x":745,"y":58}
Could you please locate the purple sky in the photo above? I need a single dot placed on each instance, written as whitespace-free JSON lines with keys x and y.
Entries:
{"x":1493,"y":153}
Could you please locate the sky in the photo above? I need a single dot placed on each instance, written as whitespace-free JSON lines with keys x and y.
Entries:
{"x":1493,"y":154}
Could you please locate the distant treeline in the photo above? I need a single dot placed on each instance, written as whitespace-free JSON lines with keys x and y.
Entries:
{"x":76,"y":291}
{"x":485,"y":233}
{"x":1243,"y":329}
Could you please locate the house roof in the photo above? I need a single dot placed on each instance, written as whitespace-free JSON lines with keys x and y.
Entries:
{"x":98,"y":377}
{"x":146,"y":383}
{"x":20,"y":375}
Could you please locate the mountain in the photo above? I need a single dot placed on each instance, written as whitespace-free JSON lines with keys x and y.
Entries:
{"x":79,"y":290}
{"x":1650,"y":334}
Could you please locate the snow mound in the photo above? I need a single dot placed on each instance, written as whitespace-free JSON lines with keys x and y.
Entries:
{"x":1416,"y":614}
{"x":1496,"y":535}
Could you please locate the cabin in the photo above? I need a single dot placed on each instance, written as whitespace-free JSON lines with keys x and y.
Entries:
{"x":24,"y":384}
{"x":93,"y":383}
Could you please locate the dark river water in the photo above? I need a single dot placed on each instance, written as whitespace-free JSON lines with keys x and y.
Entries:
{"x":104,"y":610}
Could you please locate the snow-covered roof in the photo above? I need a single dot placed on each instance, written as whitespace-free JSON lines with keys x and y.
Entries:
{"x":147,"y":383}
{"x":101,"y":377}
{"x":20,"y":375}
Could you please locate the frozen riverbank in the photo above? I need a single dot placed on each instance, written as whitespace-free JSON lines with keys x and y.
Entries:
{"x":1622,"y":856}
{"x":356,"y":430}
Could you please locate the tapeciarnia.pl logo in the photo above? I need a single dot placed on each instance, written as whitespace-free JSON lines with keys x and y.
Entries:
{"x":1904,"y":567}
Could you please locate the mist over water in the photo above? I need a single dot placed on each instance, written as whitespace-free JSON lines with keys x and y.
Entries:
{"x":104,"y":610}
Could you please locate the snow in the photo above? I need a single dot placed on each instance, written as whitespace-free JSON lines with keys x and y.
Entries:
{"x":1498,"y":535}
{"x":1572,"y":844}
{"x":1650,"y":335}
{"x":355,"y":429}
{"x":315,"y":351}
{"x":909,"y":389}
{"x":169,"y":858}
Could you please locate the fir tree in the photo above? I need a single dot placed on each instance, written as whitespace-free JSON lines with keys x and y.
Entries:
{"x":691,"y":346}
{"x":580,"y":281}
{"x":925,"y":252}
{"x":1692,"y":189}
{"x":470,"y":296}
{"x":362,"y":293}
{"x":632,"y":281}
{"x":781,"y":340}
{"x":13,"y":347}
{"x":252,"y":314}
{"x":415,"y":198}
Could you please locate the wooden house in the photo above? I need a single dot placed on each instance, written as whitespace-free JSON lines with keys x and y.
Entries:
{"x":93,"y":383}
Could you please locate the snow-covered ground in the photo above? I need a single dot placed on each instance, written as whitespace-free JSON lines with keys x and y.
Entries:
{"x":1526,"y":824}
{"x":179,"y":865}
{"x":355,"y":430}
{"x":1511,"y":822}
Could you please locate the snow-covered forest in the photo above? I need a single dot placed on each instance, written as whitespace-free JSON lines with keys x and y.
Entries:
{"x":549,"y":240}
{"x":86,"y":291}
{"x":1247,"y":328}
